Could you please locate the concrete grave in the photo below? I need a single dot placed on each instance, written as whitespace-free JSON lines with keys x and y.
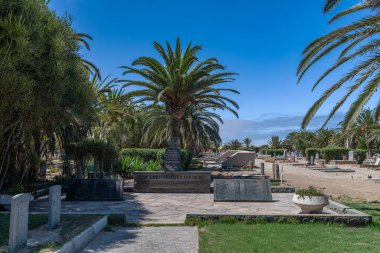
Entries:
{"x":239,"y":159}
{"x":172,"y":182}
{"x":54,"y":218}
{"x":95,"y":189}
{"x":242,"y":190}
{"x":18,"y":227}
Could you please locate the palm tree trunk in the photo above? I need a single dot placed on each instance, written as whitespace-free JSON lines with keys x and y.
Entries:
{"x":175,"y":127}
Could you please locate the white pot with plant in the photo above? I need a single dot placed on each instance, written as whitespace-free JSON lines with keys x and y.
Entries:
{"x":310,"y":200}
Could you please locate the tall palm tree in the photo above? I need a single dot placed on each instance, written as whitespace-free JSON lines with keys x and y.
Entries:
{"x":199,"y":128}
{"x":233,"y":144}
{"x":275,"y":142}
{"x":363,"y":127}
{"x":178,"y":81}
{"x":247,"y":142}
{"x":359,"y":44}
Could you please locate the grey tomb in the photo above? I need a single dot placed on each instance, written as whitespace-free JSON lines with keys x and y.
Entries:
{"x":54,"y":207}
{"x":248,"y":190}
{"x":18,"y":227}
{"x":262,"y":168}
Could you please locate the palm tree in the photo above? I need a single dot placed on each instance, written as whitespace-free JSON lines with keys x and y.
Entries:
{"x":359,"y":45}
{"x":233,"y":144}
{"x":363,"y":127}
{"x":275,"y":142}
{"x":199,"y":128}
{"x":247,"y":142}
{"x":179,"y":81}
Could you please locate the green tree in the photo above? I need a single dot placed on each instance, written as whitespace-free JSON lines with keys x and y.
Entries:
{"x":233,"y":144}
{"x":44,"y":85}
{"x":179,"y":81}
{"x":247,"y":142}
{"x":275,"y":142}
{"x":357,"y":43}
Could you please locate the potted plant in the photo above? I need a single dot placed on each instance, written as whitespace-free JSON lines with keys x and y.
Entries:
{"x":310,"y":200}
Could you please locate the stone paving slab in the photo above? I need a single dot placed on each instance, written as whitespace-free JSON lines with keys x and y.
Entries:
{"x":171,"y":208}
{"x":146,"y":240}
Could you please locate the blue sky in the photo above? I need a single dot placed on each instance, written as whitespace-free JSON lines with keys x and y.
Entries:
{"x":262,"y":41}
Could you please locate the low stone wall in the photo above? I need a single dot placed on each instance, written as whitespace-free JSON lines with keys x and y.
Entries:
{"x":172,"y":182}
{"x":343,"y":162}
{"x":349,"y":220}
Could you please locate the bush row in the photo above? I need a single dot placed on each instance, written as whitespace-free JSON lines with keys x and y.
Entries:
{"x":157,"y":155}
{"x":336,"y":153}
{"x":272,"y":152}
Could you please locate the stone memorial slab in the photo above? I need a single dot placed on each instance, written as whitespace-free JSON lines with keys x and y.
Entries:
{"x":248,"y":190}
{"x":351,"y":155}
{"x":172,"y":182}
{"x":95,"y":190}
{"x":54,"y":218}
{"x":172,"y":160}
{"x":18,"y":226}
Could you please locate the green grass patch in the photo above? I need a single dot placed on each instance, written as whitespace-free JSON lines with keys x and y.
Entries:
{"x":229,"y":235}
{"x":71,"y":225}
{"x":35,"y":220}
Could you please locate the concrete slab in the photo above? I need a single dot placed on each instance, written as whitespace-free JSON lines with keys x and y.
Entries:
{"x":171,"y":208}
{"x":146,"y":240}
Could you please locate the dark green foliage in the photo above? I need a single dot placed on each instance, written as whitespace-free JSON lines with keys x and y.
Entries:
{"x":157,"y":155}
{"x":360,"y":155}
{"x":104,"y":154}
{"x":253,"y":149}
{"x":311,"y":152}
{"x":272,"y":152}
{"x":333,"y":153}
{"x":44,"y":87}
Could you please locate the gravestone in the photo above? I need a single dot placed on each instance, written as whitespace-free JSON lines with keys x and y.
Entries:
{"x":43,"y":168}
{"x":54,"y":218}
{"x":172,"y":160}
{"x":251,"y":165}
{"x":277,"y":171}
{"x":95,"y":189}
{"x":249,"y":190}
{"x":274,"y":170}
{"x":262,"y":168}
{"x":351,"y":155}
{"x":172,"y":182}
{"x":311,"y":160}
{"x":18,"y":226}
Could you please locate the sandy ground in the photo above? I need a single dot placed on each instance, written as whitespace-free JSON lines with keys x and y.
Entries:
{"x":355,"y":185}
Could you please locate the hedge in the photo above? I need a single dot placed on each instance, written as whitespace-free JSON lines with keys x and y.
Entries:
{"x":360,"y":155}
{"x":311,"y":152}
{"x":253,"y":149}
{"x":157,"y":155}
{"x":273,"y":152}
{"x":333,"y":153}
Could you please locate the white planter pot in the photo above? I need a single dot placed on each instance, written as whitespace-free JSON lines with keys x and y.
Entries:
{"x":310,"y":204}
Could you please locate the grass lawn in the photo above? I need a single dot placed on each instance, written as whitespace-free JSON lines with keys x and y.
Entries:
{"x":35,"y":221}
{"x":274,"y":237}
{"x":71,"y":225}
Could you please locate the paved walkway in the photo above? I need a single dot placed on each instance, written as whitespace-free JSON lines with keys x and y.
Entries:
{"x":171,"y":208}
{"x":146,"y":240}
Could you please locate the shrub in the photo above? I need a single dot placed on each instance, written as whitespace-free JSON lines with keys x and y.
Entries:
{"x":273,"y":152}
{"x":333,"y":153}
{"x":125,"y":166}
{"x":360,"y":155}
{"x":311,"y":191}
{"x":153,"y":166}
{"x":311,"y":152}
{"x":157,"y":155}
